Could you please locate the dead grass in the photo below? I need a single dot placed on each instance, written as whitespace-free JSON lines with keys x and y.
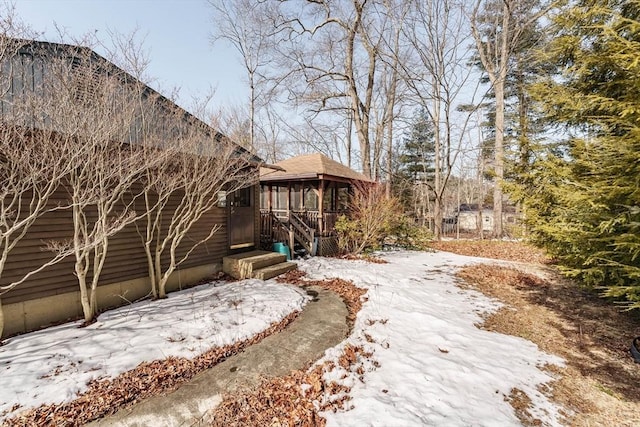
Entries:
{"x":496,"y":249}
{"x":363,"y":257}
{"x":600,"y":383}
{"x":521,"y":403}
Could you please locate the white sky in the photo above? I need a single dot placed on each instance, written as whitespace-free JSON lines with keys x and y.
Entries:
{"x":176,"y":36}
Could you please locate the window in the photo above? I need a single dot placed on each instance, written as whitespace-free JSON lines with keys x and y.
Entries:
{"x":264,"y":197}
{"x":296,"y":202}
{"x":280,"y":198}
{"x":328,"y":199}
{"x":241,"y":198}
{"x":222,"y":199}
{"x":310,"y":198}
{"x":343,"y":198}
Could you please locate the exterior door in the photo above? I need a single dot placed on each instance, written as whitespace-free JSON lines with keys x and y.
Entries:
{"x":241,"y":218}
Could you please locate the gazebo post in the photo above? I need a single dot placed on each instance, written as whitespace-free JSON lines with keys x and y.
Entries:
{"x":321,"y":207}
{"x":301,"y":205}
{"x":288,"y":199}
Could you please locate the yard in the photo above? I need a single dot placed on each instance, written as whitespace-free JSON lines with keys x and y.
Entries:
{"x":440,"y":339}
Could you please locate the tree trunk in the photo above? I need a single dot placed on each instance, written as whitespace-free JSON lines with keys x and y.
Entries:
{"x":152,"y":272}
{"x":1,"y":321}
{"x":84,"y":297}
{"x":349,"y":131}
{"x":437,"y":181}
{"x":362,"y":129}
{"x":378,"y":142}
{"x":437,"y":218}
{"x":389,"y":160}
{"x":361,"y":109}
{"x":252,"y":112}
{"x":498,"y":158}
{"x":158,"y":274}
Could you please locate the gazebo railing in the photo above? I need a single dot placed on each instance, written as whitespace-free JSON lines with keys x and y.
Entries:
{"x":272,"y":229}
{"x":329,"y":222}
{"x":302,"y":233}
{"x":309,"y":217}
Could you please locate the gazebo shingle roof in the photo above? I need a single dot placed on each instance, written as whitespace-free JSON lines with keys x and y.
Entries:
{"x":310,"y":166}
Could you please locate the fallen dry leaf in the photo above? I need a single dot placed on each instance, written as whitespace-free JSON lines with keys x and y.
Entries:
{"x":298,"y":398}
{"x":107,"y":396}
{"x":495,"y":249}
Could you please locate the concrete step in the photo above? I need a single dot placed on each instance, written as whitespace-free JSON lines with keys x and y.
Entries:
{"x":274,"y":270}
{"x":242,"y":266}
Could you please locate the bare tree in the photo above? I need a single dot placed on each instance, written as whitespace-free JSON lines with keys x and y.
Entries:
{"x":93,"y":105}
{"x":333,"y":51}
{"x":235,"y":123}
{"x":243,"y":24}
{"x":497,"y":26}
{"x":203,"y":166}
{"x":32,"y":167}
{"x":273,"y":146}
{"x":392,"y":55}
{"x":371,"y":214}
{"x":440,"y":82}
{"x":32,"y":161}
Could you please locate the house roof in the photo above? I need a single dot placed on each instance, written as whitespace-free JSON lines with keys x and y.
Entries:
{"x":310,"y":166}
{"x":37,"y":47}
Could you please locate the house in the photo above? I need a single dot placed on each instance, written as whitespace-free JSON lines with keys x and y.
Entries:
{"x":52,"y":294}
{"x":302,"y":197}
{"x":470,"y":216}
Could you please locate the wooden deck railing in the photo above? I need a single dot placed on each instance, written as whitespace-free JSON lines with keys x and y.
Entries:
{"x":272,"y":229}
{"x":280,"y":225}
{"x":302,"y":233}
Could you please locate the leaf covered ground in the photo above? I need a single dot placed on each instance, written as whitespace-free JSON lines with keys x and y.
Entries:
{"x":408,"y":360}
{"x":495,"y":249}
{"x":107,"y":396}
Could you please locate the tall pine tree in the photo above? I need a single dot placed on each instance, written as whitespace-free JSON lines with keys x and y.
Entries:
{"x":416,"y":165}
{"x":418,"y":149}
{"x":583,"y":195}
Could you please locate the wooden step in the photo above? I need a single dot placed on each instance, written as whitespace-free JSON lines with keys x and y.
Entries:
{"x":242,"y":266}
{"x":274,"y":270}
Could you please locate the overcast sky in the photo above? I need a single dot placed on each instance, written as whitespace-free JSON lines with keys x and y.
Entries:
{"x":176,"y":36}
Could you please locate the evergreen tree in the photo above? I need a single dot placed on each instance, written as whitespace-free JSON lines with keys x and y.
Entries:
{"x":499,"y":27}
{"x":522,"y":124}
{"x":416,"y":164}
{"x":583,"y":195}
{"x":419,"y":149}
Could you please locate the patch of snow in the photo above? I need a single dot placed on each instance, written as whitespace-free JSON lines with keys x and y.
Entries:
{"x":435,"y":366}
{"x":55,"y":364}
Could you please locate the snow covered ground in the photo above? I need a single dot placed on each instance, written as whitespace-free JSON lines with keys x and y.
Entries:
{"x":55,"y":364}
{"x":436,"y":367}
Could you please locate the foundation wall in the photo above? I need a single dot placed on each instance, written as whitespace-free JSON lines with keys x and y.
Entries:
{"x":42,"y":312}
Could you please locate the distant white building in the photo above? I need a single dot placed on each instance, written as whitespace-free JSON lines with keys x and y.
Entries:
{"x":470,"y":216}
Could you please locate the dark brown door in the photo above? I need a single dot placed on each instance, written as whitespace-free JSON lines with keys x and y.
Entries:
{"x":241,"y":218}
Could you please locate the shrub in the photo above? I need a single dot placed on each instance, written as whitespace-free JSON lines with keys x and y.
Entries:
{"x":406,"y":234}
{"x":375,"y":219}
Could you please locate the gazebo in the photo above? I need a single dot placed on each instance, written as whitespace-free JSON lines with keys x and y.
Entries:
{"x":301,"y":199}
